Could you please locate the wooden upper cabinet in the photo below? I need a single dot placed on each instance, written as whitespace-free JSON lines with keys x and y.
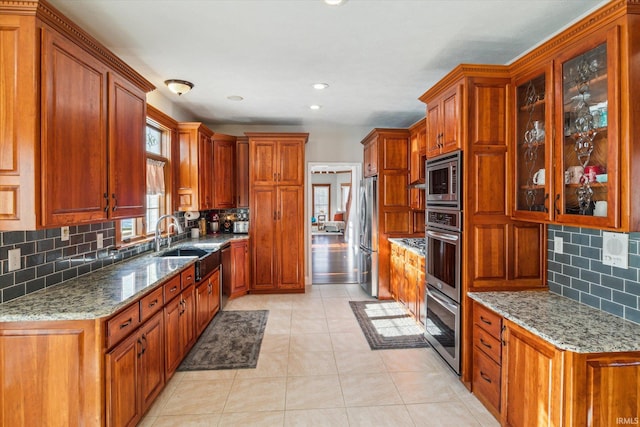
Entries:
{"x":371,"y":158}
{"x":242,"y":172}
{"x":224,"y":171}
{"x":277,"y":159}
{"x":127,"y":152}
{"x":73,"y":117}
{"x":418,"y":140}
{"x":195,"y":178}
{"x":443,"y":121}
{"x":74,"y":85}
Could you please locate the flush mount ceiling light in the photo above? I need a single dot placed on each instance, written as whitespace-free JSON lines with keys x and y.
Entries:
{"x":235,"y":98}
{"x":320,"y":86}
{"x":335,"y":2}
{"x":178,"y":86}
{"x":315,"y":107}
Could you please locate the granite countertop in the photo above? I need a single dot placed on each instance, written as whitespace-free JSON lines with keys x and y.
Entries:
{"x":414,"y":244}
{"x":563,"y":322}
{"x":105,"y":291}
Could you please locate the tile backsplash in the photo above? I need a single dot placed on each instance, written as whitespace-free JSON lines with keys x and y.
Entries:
{"x":579,"y":273}
{"x":47,"y":260}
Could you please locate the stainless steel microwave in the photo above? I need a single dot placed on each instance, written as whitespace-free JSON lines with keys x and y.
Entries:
{"x":444,"y":181}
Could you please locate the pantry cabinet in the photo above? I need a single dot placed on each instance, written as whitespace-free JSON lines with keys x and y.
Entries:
{"x":74,"y":117}
{"x":276,"y":188}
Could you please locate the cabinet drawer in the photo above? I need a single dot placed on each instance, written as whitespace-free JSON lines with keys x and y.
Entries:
{"x":122,"y":324}
{"x":171,"y":289}
{"x":188,"y":277}
{"x":487,"y":320}
{"x":486,"y":379}
{"x":150,"y":304}
{"x":487,"y":343}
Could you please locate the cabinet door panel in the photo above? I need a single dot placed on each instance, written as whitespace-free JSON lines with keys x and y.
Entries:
{"x":127,"y":152}
{"x":123,"y":403}
{"x":74,"y":158}
{"x":613,"y":390}
{"x":263,"y":225}
{"x":395,"y":154}
{"x":173,"y":348}
{"x":263,"y":159}
{"x":205,"y":172}
{"x":532,"y":376}
{"x":290,"y":263}
{"x":433,"y":129}
{"x":152,"y":360}
{"x":224,"y":182}
{"x":291,"y":163}
{"x":450,"y":139}
{"x":242,"y":173}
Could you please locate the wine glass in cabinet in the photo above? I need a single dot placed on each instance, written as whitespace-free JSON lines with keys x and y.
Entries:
{"x":587,"y":145}
{"x":533,"y":154}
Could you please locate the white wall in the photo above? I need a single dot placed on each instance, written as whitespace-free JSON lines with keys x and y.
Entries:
{"x":168,"y":107}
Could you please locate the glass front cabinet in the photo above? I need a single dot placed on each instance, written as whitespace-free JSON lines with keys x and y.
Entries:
{"x":566,"y":156}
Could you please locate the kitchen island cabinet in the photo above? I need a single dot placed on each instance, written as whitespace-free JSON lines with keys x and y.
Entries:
{"x":407,"y":273}
{"x":75,"y":118}
{"x":555,"y":371}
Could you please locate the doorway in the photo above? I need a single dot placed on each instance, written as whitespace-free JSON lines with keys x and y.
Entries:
{"x":334,"y":222}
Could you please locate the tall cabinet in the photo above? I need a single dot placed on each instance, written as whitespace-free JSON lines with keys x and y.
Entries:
{"x":497,"y":252}
{"x":276,"y":188}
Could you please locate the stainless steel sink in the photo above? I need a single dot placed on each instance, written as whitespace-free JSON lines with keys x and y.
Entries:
{"x":208,"y":259}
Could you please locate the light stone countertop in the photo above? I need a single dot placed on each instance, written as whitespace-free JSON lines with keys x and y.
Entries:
{"x":563,"y":322}
{"x":400,"y":242}
{"x":105,"y":291}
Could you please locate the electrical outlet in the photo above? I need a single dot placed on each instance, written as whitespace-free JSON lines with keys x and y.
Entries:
{"x":64,"y":233}
{"x":14,"y":259}
{"x":558,"y":243}
{"x":100,"y":240}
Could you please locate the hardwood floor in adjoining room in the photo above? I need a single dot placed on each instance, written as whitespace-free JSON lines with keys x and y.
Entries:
{"x":333,"y":261}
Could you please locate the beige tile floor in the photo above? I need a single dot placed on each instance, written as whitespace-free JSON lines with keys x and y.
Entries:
{"x":316,"y":369}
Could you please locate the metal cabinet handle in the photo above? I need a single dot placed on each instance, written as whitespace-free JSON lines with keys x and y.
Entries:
{"x":555,"y":204}
{"x":485,"y":377}
{"x":488,"y":322}
{"x":140,"y":347}
{"x":115,"y":202}
{"x":153,"y":303}
{"x":106,"y":197}
{"x":127,"y":323}
{"x":144,"y":345}
{"x":546,"y":198}
{"x":484,"y":343}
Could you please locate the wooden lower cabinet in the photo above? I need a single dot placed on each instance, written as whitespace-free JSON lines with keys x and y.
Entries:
{"x":235,"y":276}
{"x":207,"y":300}
{"x":179,"y":318}
{"x":407,"y":280}
{"x":135,"y":373}
{"x":530,"y":382}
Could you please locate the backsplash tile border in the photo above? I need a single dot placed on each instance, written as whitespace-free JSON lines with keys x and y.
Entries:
{"x":579,"y":273}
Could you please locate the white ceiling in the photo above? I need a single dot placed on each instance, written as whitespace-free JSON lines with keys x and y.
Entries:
{"x":378,"y":56}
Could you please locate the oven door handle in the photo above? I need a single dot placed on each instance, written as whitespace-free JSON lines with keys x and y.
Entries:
{"x":445,"y":236}
{"x":446,"y":304}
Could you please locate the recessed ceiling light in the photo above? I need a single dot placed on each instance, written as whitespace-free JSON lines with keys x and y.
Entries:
{"x":335,"y":2}
{"x":320,"y":86}
{"x":235,"y":98}
{"x":315,"y":107}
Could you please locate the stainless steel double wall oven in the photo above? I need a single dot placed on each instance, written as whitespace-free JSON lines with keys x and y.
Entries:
{"x":443,"y":237}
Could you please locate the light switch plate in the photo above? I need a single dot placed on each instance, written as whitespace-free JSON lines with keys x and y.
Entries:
{"x":14,"y":259}
{"x":64,"y":233}
{"x":615,"y":249}
{"x":100,"y":240}
{"x":558,"y":243}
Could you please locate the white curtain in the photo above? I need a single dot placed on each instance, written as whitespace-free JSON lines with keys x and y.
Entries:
{"x":155,"y":177}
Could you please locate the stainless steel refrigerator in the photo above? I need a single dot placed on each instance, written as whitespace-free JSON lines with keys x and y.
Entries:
{"x":368,"y":259}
